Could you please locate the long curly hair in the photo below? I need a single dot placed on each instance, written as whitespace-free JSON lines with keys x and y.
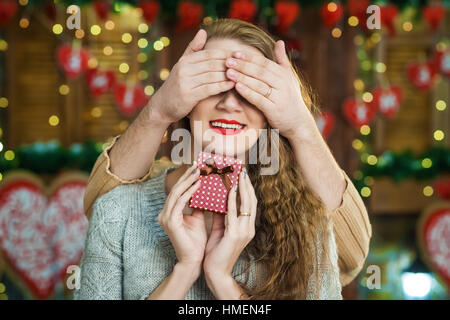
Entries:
{"x":291,"y":223}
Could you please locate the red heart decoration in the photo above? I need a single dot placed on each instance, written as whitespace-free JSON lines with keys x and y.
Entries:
{"x":421,"y":75}
{"x":331,"y":18}
{"x":434,"y":14}
{"x":73,"y":61}
{"x":442,"y":62}
{"x":129,"y":98}
{"x":287,"y":13}
{"x":189,"y":15}
{"x":359,"y":113}
{"x":434,"y":236}
{"x":325,"y":123}
{"x":41,"y":237}
{"x":99,"y":82}
{"x":243,"y":10}
{"x":150,"y":10}
{"x":388,"y":100}
{"x":388,"y":14}
{"x":442,"y":188}
{"x":102,"y":9}
{"x":7,"y":10}
{"x":358,"y":8}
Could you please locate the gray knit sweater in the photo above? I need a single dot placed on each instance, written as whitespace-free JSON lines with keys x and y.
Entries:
{"x":127,"y":253}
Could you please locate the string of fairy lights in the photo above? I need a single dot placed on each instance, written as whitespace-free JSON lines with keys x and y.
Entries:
{"x":140,"y":39}
{"x":369,"y":67}
{"x":148,"y":41}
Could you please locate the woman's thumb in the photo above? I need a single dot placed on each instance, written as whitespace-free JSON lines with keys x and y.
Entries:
{"x":197,"y":43}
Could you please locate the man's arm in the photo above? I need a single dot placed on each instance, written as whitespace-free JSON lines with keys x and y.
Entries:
{"x":130,"y":157}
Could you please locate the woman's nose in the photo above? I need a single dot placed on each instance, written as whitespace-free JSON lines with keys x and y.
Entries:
{"x":231,"y":102}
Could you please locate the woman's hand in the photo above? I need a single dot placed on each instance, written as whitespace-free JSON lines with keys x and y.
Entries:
{"x":226,"y":243}
{"x":197,"y":75}
{"x":284,"y":108}
{"x":186,"y":232}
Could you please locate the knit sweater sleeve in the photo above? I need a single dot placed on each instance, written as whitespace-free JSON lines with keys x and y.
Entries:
{"x":101,"y":264}
{"x":352,"y":230}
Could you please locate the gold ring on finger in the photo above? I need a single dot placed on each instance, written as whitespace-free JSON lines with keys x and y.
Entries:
{"x":268,"y":92}
{"x":245,"y":214}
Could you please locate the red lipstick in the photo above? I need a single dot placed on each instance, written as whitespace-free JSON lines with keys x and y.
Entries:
{"x":230,"y":127}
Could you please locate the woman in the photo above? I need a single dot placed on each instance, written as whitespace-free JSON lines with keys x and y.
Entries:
{"x":143,"y":241}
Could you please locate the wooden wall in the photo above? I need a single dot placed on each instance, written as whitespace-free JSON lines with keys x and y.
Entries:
{"x":412,"y":128}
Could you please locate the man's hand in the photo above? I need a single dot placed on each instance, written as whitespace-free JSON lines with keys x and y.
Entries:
{"x":197,"y":75}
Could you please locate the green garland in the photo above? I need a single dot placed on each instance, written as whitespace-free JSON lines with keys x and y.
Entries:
{"x":51,"y":157}
{"x":400,"y":166}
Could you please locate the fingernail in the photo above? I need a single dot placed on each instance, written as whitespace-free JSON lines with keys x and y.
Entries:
{"x":245,"y":172}
{"x":231,"y":62}
{"x":238,"y":55}
{"x":235,"y":187}
{"x":232,"y":73}
{"x":194,"y":171}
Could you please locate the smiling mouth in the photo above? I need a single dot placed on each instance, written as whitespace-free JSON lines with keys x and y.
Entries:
{"x":226,"y":127}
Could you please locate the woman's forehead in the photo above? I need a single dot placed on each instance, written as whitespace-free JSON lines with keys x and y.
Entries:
{"x":230,"y":46}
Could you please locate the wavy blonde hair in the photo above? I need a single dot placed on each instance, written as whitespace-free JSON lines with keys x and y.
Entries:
{"x":291,"y":221}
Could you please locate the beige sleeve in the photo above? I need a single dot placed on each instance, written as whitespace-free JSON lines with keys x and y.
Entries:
{"x":102,"y":180}
{"x":352,"y":230}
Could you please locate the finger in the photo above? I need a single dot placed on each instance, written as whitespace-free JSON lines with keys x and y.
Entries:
{"x":252,"y":199}
{"x":182,"y":184}
{"x":196,"y":214}
{"x":255,"y":98}
{"x":255,"y":84}
{"x":243,"y":193}
{"x":208,"y":54}
{"x":255,"y":71}
{"x":183,"y":199}
{"x":218,"y":221}
{"x":259,"y":60}
{"x":217,"y":230}
{"x":197,"y":43}
{"x":207,"y":66}
{"x":172,"y":197}
{"x":208,"y":77}
{"x":211,"y":89}
{"x":281,"y":55}
{"x":232,"y":215}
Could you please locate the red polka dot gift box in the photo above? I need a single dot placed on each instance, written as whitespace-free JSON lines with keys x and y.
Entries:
{"x":218,"y":174}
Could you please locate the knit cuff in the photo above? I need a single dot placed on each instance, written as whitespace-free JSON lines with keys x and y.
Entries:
{"x":108,"y":166}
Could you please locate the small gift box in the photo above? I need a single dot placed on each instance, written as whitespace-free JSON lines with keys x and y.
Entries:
{"x":218,"y":174}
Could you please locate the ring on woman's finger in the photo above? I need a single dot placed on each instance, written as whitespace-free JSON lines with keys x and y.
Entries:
{"x":245,"y":214}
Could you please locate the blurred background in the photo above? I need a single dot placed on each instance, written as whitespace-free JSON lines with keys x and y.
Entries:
{"x":74,"y":74}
